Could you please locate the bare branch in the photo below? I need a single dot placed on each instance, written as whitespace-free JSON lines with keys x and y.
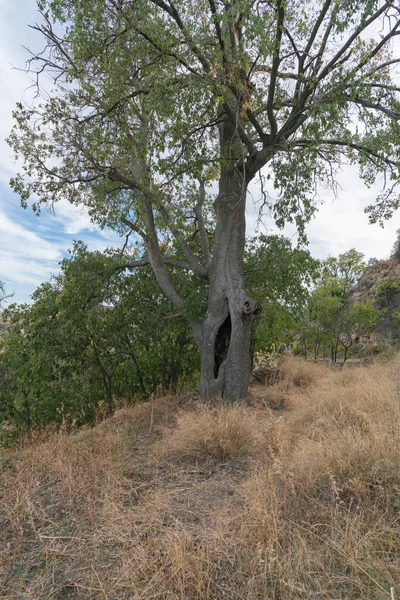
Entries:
{"x":133,"y":264}
{"x":155,"y":257}
{"x":134,"y":228}
{"x":316,"y":27}
{"x":218,"y":31}
{"x":279,"y":74}
{"x":375,"y":106}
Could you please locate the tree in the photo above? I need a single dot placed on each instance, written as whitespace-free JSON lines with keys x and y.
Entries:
{"x":332,"y":319}
{"x":279,"y":277}
{"x":155,"y":99}
{"x":322,"y":324}
{"x":358,"y":319}
{"x":346,"y":269}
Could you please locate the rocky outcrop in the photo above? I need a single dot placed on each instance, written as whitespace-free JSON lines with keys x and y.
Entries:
{"x":380,"y":283}
{"x":379,"y":277}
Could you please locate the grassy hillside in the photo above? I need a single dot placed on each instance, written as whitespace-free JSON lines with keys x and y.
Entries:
{"x":293,"y":495}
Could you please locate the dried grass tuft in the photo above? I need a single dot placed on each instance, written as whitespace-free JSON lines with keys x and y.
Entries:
{"x":298,"y":373}
{"x":216,"y":433}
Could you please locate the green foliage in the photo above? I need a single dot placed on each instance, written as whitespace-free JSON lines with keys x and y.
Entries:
{"x":346,"y":269}
{"x":331,"y":321}
{"x":90,"y":337}
{"x":386,"y":288}
{"x":279,"y":277}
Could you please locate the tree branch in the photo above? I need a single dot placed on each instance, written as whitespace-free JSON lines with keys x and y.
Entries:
{"x":172,"y":12}
{"x":134,"y":264}
{"x":163,"y":52}
{"x":218,"y":31}
{"x":359,"y":147}
{"x":195,"y":266}
{"x":364,"y":24}
{"x":279,"y":74}
{"x":375,"y":106}
{"x":155,"y":257}
{"x":274,"y":70}
{"x":134,"y":228}
{"x":316,"y":27}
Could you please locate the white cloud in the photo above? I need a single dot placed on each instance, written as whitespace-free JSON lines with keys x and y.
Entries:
{"x":73,"y":219}
{"x":23,"y":241}
{"x":340,"y":223}
{"x":26,"y":258}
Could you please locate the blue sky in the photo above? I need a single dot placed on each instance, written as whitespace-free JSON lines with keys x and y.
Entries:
{"x":31,"y":247}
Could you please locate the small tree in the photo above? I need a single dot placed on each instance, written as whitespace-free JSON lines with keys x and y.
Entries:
{"x":346,"y":269}
{"x":279,"y":277}
{"x":357,"y":320}
{"x":331,"y":321}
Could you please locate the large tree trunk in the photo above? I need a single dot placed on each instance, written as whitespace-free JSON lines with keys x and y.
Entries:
{"x":226,"y":332}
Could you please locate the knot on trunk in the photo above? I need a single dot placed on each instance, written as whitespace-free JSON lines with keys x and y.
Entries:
{"x":251,"y":308}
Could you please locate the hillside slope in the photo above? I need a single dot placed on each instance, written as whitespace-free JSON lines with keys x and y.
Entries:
{"x":380,"y":283}
{"x":178,"y":500}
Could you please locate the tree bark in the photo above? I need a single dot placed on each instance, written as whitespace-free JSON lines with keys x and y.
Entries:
{"x":226,"y":331}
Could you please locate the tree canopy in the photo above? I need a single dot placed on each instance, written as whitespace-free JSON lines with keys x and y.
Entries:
{"x":153,"y":100}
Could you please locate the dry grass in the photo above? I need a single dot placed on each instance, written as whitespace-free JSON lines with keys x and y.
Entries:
{"x":216,"y":433}
{"x":313,"y":512}
{"x":297,"y":373}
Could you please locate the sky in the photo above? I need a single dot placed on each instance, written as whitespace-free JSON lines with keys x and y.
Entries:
{"x":31,"y":247}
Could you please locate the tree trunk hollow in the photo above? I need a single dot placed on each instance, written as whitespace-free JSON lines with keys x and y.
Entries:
{"x":222,"y":342}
